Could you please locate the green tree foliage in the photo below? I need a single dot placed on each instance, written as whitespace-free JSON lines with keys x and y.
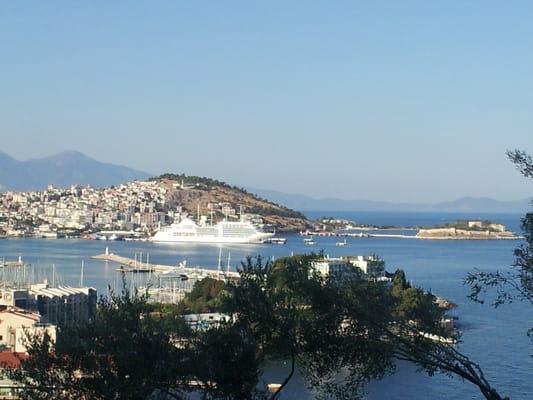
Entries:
{"x":327,"y":329}
{"x":204,"y":297}
{"x":228,"y":363}
{"x":340,"y":334}
{"x":343,"y":335}
{"x":516,"y":284}
{"x":412,"y":302}
{"x":125,"y":352}
{"x":131,"y":351}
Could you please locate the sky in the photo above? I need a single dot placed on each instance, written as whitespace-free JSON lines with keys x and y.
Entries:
{"x":400,"y":101}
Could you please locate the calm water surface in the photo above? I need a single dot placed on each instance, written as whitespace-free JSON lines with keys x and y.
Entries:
{"x":494,"y":338}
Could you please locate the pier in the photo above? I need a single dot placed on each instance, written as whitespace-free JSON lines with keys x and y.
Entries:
{"x":391,"y":235}
{"x":131,"y":265}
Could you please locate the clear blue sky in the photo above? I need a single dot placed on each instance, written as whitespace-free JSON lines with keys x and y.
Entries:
{"x":397,"y":100}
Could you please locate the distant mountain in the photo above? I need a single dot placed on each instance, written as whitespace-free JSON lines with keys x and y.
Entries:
{"x":483,"y":204}
{"x":62,"y":170}
{"x":465,"y":204}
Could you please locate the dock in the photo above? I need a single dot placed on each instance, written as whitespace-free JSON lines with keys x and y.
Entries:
{"x":129,"y":264}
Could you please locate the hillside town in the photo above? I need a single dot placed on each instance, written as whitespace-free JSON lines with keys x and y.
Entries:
{"x":59,"y":212}
{"x":139,"y":208}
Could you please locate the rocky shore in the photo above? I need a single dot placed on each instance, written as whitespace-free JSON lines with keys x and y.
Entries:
{"x":464,"y":234}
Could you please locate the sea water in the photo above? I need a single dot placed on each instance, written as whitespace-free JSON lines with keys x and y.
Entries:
{"x":495,"y":339}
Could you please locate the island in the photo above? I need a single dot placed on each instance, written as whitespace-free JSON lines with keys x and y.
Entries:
{"x":467,"y":230}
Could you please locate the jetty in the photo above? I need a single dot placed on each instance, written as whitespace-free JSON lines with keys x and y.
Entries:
{"x":391,"y":235}
{"x":131,"y":265}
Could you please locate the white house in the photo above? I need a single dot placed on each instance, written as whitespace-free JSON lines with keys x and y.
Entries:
{"x":15,"y":323}
{"x":343,"y":267}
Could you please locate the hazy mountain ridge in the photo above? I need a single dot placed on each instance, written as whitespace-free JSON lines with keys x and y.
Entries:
{"x":72,"y":167}
{"x":62,"y":170}
{"x":464,"y":204}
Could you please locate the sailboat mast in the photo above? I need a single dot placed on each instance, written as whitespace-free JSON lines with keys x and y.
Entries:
{"x":81,"y":275}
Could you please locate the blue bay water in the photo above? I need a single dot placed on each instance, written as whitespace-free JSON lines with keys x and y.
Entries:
{"x":496,"y":339}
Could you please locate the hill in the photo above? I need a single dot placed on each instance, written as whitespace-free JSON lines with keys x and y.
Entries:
{"x":62,"y":170}
{"x":191,"y":192}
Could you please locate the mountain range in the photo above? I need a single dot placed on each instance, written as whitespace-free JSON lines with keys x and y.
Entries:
{"x":464,"y":204}
{"x":62,"y":170}
{"x":72,"y":167}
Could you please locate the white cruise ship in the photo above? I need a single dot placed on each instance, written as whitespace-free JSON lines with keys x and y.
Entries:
{"x":223,"y":232}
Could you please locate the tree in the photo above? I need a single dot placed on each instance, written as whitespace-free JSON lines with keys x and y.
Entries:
{"x":124,"y":352}
{"x":204,"y":297}
{"x":335,"y":332}
{"x":343,"y":335}
{"x":516,"y":284}
{"x":228,"y":363}
{"x":133,"y":350}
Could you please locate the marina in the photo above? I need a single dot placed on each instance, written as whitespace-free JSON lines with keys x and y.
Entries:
{"x":131,"y":265}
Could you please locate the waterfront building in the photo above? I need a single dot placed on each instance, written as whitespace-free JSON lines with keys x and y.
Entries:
{"x":339,"y":268}
{"x":205,"y":321}
{"x":64,"y":305}
{"x":61,"y":305}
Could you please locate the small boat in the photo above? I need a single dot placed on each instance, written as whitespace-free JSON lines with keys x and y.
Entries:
{"x":309,"y":241}
{"x":115,"y":237}
{"x":343,"y":243}
{"x":135,"y":270}
{"x":277,"y":240}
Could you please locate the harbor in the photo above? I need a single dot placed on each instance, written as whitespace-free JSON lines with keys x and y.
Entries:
{"x":440,"y":265}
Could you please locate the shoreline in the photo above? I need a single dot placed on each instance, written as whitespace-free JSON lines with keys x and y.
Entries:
{"x":310,"y":234}
{"x":470,"y":238}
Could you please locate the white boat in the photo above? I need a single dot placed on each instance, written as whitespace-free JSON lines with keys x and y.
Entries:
{"x":223,"y":232}
{"x":275,"y":240}
{"x":343,"y":243}
{"x":309,"y":241}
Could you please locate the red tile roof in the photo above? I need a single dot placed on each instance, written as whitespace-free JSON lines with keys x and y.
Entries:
{"x":11,"y":359}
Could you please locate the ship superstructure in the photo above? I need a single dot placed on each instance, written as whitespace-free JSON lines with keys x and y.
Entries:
{"x":187,"y":230}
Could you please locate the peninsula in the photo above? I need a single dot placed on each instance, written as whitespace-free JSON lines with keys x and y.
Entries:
{"x":137,"y":208}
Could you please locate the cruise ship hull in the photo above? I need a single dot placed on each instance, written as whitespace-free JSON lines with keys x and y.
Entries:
{"x":256,"y":239}
{"x":187,"y":231}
